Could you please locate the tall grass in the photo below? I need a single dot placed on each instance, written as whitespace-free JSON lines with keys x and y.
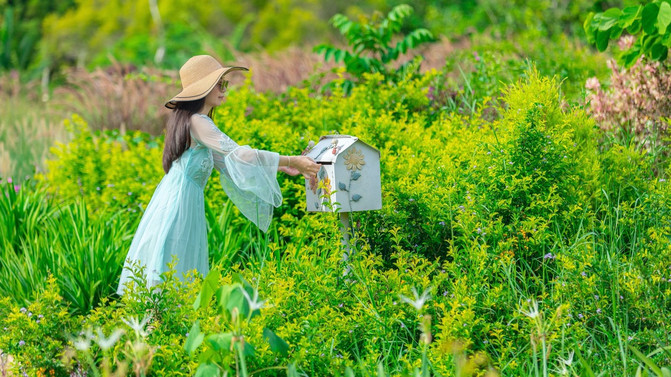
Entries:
{"x":41,"y":236}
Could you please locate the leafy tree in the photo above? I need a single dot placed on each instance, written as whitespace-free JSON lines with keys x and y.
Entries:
{"x":20,"y":30}
{"x":372,"y":46}
{"x":649,"y":24}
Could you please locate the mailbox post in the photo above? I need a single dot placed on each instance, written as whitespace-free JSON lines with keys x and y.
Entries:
{"x":348,"y":181}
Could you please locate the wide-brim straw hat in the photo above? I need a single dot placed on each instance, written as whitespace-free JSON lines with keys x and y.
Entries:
{"x":199,"y":75}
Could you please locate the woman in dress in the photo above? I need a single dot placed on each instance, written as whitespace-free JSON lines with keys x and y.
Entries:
{"x":174,"y":222}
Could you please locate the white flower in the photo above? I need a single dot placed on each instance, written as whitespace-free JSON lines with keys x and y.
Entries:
{"x":107,"y":343}
{"x":254,"y":303}
{"x":533,"y":310}
{"x":83,"y":343}
{"x":138,"y":327}
{"x":418,"y":302}
{"x":569,"y":360}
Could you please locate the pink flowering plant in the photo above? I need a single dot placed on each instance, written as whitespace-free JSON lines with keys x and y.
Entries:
{"x":637,"y":103}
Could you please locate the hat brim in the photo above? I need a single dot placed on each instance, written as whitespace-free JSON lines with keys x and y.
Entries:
{"x":202,"y":87}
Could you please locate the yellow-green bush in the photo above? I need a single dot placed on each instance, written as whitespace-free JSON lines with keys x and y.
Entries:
{"x":517,"y":223}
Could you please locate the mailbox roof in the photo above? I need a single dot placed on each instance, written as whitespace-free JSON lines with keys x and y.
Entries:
{"x":323,"y":151}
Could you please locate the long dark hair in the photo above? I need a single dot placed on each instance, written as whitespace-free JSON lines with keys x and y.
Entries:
{"x":177,"y":135}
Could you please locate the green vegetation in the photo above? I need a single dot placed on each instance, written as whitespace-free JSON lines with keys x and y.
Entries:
{"x":649,"y":23}
{"x":525,"y":224}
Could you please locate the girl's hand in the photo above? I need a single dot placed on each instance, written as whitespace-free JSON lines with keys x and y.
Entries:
{"x":306,"y":166}
{"x":291,"y":171}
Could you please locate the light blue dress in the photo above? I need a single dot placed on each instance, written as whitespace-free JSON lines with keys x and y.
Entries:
{"x":174,"y":222}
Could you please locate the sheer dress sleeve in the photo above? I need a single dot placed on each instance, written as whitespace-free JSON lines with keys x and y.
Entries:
{"x":248,"y":176}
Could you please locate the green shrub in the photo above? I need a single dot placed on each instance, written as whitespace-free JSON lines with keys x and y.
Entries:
{"x":35,"y":335}
{"x":483,"y":211}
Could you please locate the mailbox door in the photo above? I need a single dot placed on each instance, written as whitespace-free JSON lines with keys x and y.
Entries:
{"x":316,"y":197}
{"x":357,"y":172}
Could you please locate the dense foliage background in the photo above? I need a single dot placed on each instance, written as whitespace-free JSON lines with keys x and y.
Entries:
{"x":525,"y":227}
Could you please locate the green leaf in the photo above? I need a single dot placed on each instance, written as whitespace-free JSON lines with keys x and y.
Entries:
{"x":658,"y":51}
{"x":235,"y":299}
{"x":609,"y":18}
{"x":635,"y":27}
{"x":649,"y":363}
{"x":277,"y":344}
{"x":210,"y":286}
{"x":649,"y":18}
{"x":664,"y":17}
{"x":589,"y":28}
{"x":208,"y":370}
{"x":629,"y":15}
{"x":629,"y":58}
{"x":338,"y":56}
{"x":220,"y":342}
{"x":602,"y":37}
{"x":194,"y":339}
{"x":648,"y":42}
{"x":615,"y":32}
{"x":588,"y":369}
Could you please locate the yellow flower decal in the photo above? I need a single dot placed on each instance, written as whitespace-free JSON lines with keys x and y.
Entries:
{"x":354,"y":159}
{"x":325,"y":185}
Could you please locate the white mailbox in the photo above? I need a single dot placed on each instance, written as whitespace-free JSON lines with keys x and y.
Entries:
{"x":349,"y":176}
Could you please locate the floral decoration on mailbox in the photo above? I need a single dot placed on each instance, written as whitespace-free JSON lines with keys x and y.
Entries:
{"x":349,"y":179}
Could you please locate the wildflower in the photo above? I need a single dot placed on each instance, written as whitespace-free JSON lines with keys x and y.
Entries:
{"x":442,"y":223}
{"x":83,"y":342}
{"x":430,"y":94}
{"x":23,"y":310}
{"x":533,"y":310}
{"x":596,"y":297}
{"x":40,"y":316}
{"x":598,"y":310}
{"x":107,"y":343}
{"x":255,"y":303}
{"x":580,"y":316}
{"x":138,"y":327}
{"x":569,"y":360}
{"x":548,"y":256}
{"x":9,"y":180}
{"x":21,"y":343}
{"x":592,"y":84}
{"x":17,"y":188}
{"x":584,"y":274}
{"x":419,"y":300}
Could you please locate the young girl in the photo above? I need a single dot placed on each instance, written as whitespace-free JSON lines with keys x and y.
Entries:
{"x":174,"y":221}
